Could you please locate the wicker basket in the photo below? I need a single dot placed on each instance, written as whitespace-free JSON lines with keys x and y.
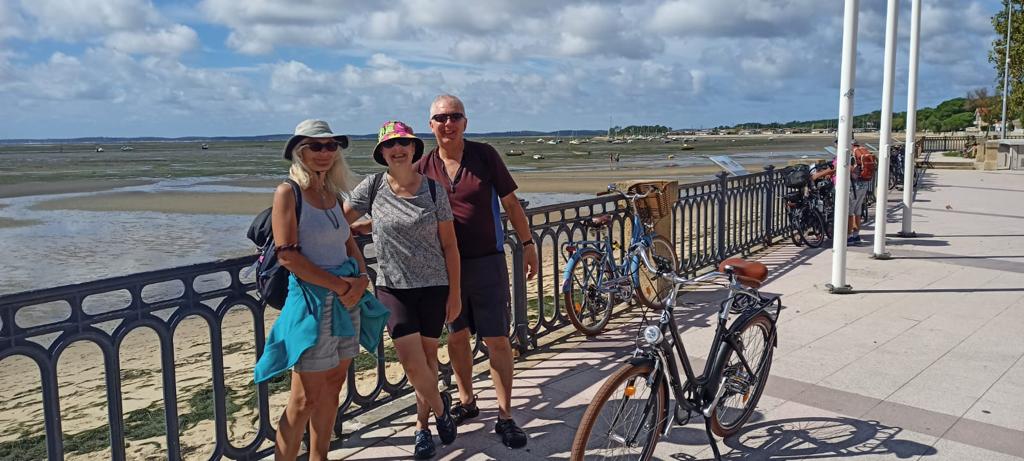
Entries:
{"x":655,"y":206}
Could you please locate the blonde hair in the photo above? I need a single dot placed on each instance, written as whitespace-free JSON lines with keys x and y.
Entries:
{"x":337,"y":180}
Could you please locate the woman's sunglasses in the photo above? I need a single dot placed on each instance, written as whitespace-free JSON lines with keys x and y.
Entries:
{"x":443,"y":118}
{"x":331,"y":146}
{"x":400,"y":141}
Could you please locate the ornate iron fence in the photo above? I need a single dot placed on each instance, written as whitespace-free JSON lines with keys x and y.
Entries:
{"x":711,"y":220}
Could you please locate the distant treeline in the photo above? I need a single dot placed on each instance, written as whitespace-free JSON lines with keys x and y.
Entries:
{"x":279,"y":137}
{"x":952,"y":115}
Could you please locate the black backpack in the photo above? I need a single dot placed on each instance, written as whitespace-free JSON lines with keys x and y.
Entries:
{"x":271,"y":276}
{"x":797,"y":177}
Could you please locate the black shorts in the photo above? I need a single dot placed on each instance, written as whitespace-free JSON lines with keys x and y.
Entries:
{"x":486,"y":308}
{"x":415,"y":310}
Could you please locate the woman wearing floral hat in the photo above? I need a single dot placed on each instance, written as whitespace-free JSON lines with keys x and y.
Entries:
{"x":418,"y":277}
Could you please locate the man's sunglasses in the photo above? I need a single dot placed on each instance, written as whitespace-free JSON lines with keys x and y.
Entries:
{"x":331,"y":146}
{"x":442,"y":118}
{"x":400,"y":141}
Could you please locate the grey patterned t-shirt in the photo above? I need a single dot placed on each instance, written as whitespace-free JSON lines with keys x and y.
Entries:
{"x":405,"y":236}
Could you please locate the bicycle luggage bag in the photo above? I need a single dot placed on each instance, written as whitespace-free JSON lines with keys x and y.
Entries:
{"x":797,"y":177}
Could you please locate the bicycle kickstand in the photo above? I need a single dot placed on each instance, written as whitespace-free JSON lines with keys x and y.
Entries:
{"x":711,"y":439}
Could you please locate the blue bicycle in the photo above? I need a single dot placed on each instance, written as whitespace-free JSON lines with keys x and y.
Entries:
{"x":594,"y":281}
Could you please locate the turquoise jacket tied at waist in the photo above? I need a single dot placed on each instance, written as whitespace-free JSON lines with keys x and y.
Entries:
{"x":296,"y":328}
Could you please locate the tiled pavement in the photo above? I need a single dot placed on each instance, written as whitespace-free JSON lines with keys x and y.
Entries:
{"x":923,"y":361}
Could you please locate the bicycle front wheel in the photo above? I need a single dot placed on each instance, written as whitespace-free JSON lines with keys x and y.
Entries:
{"x":626,"y":417}
{"x":588,"y":304}
{"x":651,"y":293}
{"x":743,"y":390}
{"x":812,"y":229}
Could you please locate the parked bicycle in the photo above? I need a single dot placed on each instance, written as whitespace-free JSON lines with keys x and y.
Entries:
{"x":645,"y":398}
{"x":594,"y":281}
{"x":805,"y":208}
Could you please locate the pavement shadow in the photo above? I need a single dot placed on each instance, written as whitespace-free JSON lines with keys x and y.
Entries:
{"x":821,"y":437}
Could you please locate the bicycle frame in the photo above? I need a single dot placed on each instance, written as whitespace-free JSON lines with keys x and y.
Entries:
{"x":641,"y":239}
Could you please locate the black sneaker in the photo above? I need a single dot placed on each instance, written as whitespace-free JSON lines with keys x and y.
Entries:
{"x":461,"y":412}
{"x":424,"y":447}
{"x":511,"y":435}
{"x":446,"y":427}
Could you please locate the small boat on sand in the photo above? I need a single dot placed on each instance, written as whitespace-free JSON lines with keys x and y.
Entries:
{"x":581,"y":152}
{"x":686,"y":147}
{"x":127,"y":148}
{"x":99,"y":149}
{"x":538,"y":157}
{"x":205,"y":146}
{"x":514,"y":153}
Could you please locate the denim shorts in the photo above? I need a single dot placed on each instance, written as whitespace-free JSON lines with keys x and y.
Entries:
{"x":329,"y":350}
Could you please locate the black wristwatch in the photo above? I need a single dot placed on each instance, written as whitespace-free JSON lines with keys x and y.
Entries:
{"x":528,"y":242}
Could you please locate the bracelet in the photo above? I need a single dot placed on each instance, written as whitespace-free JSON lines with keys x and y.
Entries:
{"x":528,"y":242}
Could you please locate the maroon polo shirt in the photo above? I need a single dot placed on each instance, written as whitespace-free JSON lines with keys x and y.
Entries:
{"x":479,"y":185}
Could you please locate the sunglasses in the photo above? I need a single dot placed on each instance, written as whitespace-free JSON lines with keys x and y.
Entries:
{"x":400,"y":141}
{"x":443,"y":118}
{"x":331,"y":146}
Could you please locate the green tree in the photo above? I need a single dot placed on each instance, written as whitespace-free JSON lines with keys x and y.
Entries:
{"x":997,"y":56}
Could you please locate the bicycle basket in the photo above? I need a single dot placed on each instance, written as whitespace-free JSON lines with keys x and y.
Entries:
{"x":653,"y":207}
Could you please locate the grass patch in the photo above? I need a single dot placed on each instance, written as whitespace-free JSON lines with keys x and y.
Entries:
{"x":26,"y":446}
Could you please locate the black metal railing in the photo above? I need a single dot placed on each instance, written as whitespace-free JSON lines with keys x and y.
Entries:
{"x":711,"y":220}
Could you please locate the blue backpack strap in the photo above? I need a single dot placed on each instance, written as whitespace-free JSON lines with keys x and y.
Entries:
{"x":298,"y":198}
{"x":433,"y":189}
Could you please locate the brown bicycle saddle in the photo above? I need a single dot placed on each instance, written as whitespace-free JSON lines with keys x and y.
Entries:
{"x":749,"y":273}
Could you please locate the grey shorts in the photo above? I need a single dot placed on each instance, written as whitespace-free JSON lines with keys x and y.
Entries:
{"x":857,"y":196}
{"x":329,"y":350}
{"x":486,"y":302}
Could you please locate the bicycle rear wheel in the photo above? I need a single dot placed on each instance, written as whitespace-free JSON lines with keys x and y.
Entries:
{"x":625,"y":418}
{"x":742,"y":391}
{"x":663,"y":256}
{"x":587,"y":305}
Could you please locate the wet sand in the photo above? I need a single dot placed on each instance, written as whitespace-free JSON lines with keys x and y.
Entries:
{"x":244,"y":203}
{"x":241,"y":203}
{"x":64,"y":187}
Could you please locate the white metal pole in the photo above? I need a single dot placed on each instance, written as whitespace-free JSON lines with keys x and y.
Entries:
{"x":1006,"y":69}
{"x":885,"y":131}
{"x":910,"y":151}
{"x":846,"y":90}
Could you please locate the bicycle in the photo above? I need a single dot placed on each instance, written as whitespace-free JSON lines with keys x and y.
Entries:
{"x":643,"y":399}
{"x":805,"y":210}
{"x":593,"y":281}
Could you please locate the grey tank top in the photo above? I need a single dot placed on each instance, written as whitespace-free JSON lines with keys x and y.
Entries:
{"x":321,"y":243}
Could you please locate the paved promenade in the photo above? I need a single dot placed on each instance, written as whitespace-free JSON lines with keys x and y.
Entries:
{"x":924,"y":361}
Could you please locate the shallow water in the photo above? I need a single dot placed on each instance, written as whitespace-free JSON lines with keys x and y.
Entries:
{"x":68,"y":246}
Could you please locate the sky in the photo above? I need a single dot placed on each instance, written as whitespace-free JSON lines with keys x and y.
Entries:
{"x":77,"y":68}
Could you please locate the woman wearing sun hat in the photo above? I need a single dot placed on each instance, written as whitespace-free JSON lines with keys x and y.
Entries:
{"x":318,"y":331}
{"x":418,"y":278}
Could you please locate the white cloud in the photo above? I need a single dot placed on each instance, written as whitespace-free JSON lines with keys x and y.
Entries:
{"x":172,"y":41}
{"x":83,"y":19}
{"x":741,"y":18}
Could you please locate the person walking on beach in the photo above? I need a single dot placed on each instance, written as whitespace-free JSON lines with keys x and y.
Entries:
{"x":418,"y":279}
{"x":327,"y":306}
{"x":476,"y":180}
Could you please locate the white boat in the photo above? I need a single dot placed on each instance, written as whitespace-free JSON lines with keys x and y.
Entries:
{"x":514,"y":153}
{"x":205,"y":146}
{"x":538,"y":157}
{"x":126,"y":148}
{"x":554,"y":141}
{"x":581,"y":152}
{"x":99,"y":149}
{"x":540,"y":140}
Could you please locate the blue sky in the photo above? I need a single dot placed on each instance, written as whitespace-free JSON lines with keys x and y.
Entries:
{"x":71,"y":68}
